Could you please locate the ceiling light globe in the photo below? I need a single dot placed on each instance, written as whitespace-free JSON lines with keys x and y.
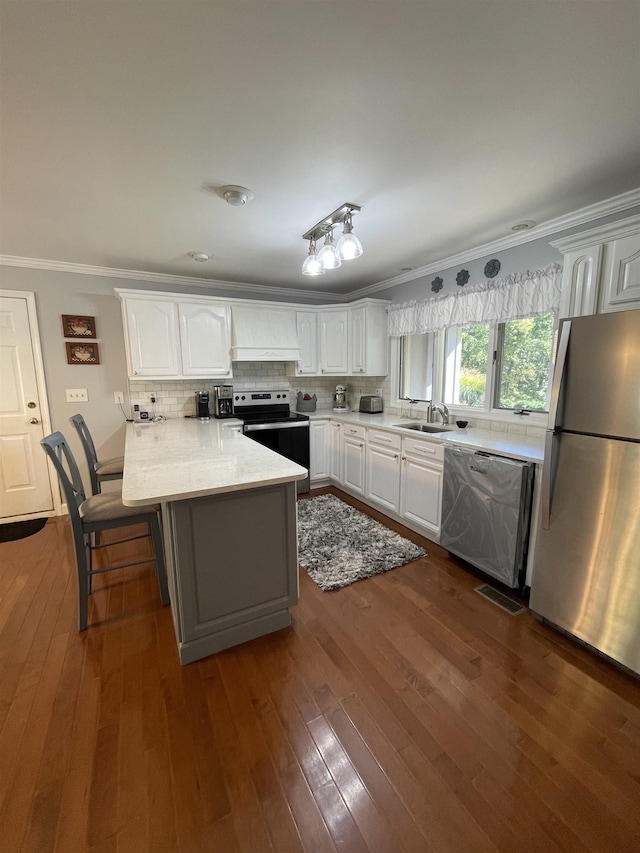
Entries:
{"x":349,"y":247}
{"x":328,"y":257}
{"x":312,"y":266}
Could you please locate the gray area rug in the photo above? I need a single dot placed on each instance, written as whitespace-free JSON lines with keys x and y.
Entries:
{"x":338,"y":545}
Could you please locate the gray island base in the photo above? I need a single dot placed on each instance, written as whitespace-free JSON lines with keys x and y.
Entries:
{"x":229,"y":526}
{"x":232,"y":567}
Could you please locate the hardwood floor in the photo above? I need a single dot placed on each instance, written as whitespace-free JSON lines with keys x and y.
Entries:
{"x":402,"y":713}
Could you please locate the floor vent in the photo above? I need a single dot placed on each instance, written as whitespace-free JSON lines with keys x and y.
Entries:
{"x":500,"y":599}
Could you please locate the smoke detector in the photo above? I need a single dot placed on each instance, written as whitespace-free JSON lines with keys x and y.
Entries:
{"x":235,"y":196}
{"x":201,"y":257}
{"x":523,"y":226}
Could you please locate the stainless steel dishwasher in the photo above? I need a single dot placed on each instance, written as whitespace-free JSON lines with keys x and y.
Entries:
{"x":486,"y":510}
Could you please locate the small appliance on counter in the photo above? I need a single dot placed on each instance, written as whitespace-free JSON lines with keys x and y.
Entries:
{"x":223,"y":401}
{"x":340,"y":399}
{"x":305,"y":402}
{"x":202,"y":405}
{"x":371,"y":404}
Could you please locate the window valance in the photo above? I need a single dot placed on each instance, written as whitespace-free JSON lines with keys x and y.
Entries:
{"x":527,"y":294}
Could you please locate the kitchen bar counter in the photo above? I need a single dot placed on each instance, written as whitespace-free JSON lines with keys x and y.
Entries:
{"x":184,"y":458}
{"x":229,"y":525}
{"x":526,"y":447}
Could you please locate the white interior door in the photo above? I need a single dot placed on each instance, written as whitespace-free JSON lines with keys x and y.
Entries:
{"x":25,"y":487}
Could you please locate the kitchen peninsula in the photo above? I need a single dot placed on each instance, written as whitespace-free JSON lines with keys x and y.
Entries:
{"x":229,"y":519}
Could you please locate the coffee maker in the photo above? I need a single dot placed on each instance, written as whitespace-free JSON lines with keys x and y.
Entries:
{"x":223,"y":401}
{"x":202,"y":405}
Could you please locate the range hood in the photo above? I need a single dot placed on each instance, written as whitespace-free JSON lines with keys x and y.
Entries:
{"x":263,"y":334}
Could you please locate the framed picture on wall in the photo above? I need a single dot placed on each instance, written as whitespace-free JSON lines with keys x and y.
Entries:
{"x":76,"y":326}
{"x":84,"y":353}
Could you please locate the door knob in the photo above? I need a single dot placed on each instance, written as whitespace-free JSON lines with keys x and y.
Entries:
{"x":34,"y":421}
{"x":31,"y":405}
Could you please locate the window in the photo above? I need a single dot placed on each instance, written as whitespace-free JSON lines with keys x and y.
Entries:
{"x":523,"y":363}
{"x":416,"y":366}
{"x":467,"y":360}
{"x":486,"y":367}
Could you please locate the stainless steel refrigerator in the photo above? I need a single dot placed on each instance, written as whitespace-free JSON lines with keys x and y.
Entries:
{"x":586,"y":573}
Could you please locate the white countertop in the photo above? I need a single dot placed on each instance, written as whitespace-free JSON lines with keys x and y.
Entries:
{"x":526,"y":447}
{"x":184,"y":458}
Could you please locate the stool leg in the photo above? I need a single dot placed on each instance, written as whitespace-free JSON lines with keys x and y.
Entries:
{"x":83,"y":564}
{"x":158,"y":552}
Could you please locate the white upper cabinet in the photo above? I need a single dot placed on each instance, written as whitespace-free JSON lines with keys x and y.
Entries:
{"x":166,"y":338}
{"x":307,"y":323}
{"x":580,"y":282}
{"x":368,"y":340}
{"x":334,"y":352}
{"x":182,"y":336}
{"x":354,"y":341}
{"x":601,"y":269}
{"x":152,"y":336}
{"x":621,"y":273}
{"x":205,"y":337}
{"x":357,"y":340}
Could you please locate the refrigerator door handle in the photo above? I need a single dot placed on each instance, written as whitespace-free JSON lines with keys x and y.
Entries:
{"x":558,"y":373}
{"x":548,"y":476}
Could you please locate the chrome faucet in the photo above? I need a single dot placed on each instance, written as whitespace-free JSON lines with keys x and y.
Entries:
{"x":441,"y":409}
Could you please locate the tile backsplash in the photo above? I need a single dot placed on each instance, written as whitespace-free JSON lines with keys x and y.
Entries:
{"x":176,"y":399}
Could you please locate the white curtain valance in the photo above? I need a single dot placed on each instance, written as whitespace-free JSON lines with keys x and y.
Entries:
{"x":527,"y":294}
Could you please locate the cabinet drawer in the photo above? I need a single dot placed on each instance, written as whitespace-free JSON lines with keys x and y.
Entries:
{"x":354,"y":431}
{"x":385,"y":439}
{"x":424,"y":449}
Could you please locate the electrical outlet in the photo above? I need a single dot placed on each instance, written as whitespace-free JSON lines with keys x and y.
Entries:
{"x":77,"y":395}
{"x":118,"y":397}
{"x":151,"y":397}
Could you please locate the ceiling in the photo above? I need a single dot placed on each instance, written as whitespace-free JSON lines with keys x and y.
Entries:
{"x":448,"y":122}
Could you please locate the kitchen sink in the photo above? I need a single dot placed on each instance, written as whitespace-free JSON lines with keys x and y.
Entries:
{"x":425,"y":427}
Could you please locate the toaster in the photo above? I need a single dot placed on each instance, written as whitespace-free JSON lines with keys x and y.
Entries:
{"x":371,"y":404}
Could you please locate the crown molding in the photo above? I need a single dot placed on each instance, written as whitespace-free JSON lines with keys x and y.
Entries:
{"x":607,"y":207}
{"x":162,"y":278}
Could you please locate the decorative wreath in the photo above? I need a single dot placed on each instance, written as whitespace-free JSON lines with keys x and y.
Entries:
{"x":492,"y":268}
{"x":462,"y":278}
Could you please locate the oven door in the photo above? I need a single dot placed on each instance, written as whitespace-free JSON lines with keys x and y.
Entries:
{"x":289,"y":439}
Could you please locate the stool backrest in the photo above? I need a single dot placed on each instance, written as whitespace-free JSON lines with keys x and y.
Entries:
{"x":89,"y":449}
{"x":58,"y":451}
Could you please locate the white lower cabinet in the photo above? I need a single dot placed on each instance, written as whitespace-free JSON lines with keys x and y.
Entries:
{"x":421,"y":484}
{"x":353,"y":458}
{"x":319,"y":450}
{"x":399,"y":475}
{"x":383,"y":469}
{"x":335,"y":451}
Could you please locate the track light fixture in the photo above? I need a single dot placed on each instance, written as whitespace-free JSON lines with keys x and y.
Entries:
{"x":331,"y":255}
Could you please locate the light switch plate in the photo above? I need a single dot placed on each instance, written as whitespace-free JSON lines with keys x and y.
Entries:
{"x":77,"y":395}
